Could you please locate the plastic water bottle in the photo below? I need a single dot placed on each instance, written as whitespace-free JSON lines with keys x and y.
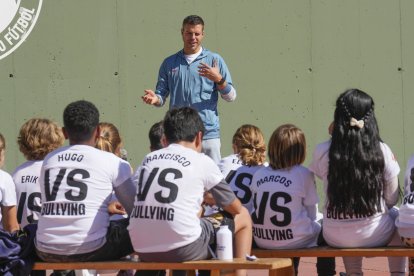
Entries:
{"x":224,"y":243}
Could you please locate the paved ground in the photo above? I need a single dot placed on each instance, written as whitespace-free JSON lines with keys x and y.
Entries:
{"x":371,"y":267}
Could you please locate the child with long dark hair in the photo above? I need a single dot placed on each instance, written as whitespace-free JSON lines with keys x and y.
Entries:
{"x":360,"y":176}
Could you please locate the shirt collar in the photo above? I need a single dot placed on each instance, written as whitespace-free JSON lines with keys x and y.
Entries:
{"x":203,"y":53}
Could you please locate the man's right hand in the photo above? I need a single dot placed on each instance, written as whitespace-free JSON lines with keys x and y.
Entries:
{"x":150,"y":97}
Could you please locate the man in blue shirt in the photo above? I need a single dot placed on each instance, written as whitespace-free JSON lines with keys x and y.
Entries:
{"x":195,"y":77}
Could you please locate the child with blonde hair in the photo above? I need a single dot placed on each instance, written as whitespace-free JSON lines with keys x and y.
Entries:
{"x":37,"y":137}
{"x":285,"y":198}
{"x":249,"y":154}
{"x":109,"y":139}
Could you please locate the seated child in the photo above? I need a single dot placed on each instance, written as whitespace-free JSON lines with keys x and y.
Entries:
{"x":155,"y":136}
{"x":405,"y":221}
{"x":285,"y":198}
{"x":76,"y":185}
{"x":7,"y":194}
{"x":360,"y":177}
{"x":248,"y":156}
{"x":37,"y":137}
{"x":164,"y":223}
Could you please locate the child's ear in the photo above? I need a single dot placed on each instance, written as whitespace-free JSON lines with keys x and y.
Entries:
{"x":164,"y":141}
{"x":199,"y":141}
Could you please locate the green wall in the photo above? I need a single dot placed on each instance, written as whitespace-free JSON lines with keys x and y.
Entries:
{"x":289,"y":61}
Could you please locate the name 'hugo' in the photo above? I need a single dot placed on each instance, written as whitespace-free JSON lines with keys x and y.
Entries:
{"x":70,"y":157}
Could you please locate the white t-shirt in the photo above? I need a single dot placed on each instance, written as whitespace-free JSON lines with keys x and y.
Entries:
{"x":76,"y":184}
{"x":280,"y":217}
{"x":192,"y":57}
{"x":405,"y":220}
{"x":7,"y":191}
{"x":170,"y":187}
{"x":26,"y":179}
{"x":346,"y":231}
{"x":239,"y":176}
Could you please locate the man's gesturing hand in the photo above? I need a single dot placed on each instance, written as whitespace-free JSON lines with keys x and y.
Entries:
{"x":210,"y":72}
{"x":150,"y":97}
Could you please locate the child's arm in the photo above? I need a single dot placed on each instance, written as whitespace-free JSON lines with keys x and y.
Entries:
{"x":391,"y":192}
{"x":311,"y":198}
{"x":9,"y":220}
{"x":125,"y":193}
{"x":225,"y":198}
{"x":116,"y":208}
{"x":312,"y":210}
{"x":209,"y":199}
{"x":234,"y":208}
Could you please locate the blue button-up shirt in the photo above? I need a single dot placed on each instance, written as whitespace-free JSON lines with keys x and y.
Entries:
{"x":186,"y":87}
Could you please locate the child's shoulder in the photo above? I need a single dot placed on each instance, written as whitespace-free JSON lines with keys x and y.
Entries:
{"x":301,"y":169}
{"x":32,"y":165}
{"x":410,"y":162}
{"x":230,"y":158}
{"x":4,"y":174}
{"x":5,"y":178}
{"x":322,"y":148}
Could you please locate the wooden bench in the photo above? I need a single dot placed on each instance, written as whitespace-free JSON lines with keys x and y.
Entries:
{"x":276,"y":266}
{"x":327,"y":251}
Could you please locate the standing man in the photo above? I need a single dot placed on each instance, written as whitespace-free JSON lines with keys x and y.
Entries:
{"x":194,"y":77}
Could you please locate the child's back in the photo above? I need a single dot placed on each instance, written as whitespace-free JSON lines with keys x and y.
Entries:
{"x":37,"y":137}
{"x":239,"y":176}
{"x":285,"y":198}
{"x":282,"y":198}
{"x":249,"y":155}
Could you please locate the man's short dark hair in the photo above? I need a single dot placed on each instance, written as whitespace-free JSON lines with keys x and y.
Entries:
{"x":182,"y":124}
{"x":80,"y":119}
{"x":193,"y":20}
{"x":155,"y":135}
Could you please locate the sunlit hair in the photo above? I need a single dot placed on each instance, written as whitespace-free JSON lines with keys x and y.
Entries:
{"x":287,"y":147}
{"x":38,"y":137}
{"x":182,"y":125}
{"x":356,"y":161}
{"x":250,"y":145}
{"x":193,"y":20}
{"x":109,"y":139}
{"x":2,"y":142}
{"x":80,"y":119}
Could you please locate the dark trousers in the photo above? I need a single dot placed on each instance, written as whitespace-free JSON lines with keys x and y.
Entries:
{"x":118,"y":245}
{"x":324,"y":266}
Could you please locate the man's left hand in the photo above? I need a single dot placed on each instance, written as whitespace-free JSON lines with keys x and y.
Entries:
{"x":210,"y":72}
